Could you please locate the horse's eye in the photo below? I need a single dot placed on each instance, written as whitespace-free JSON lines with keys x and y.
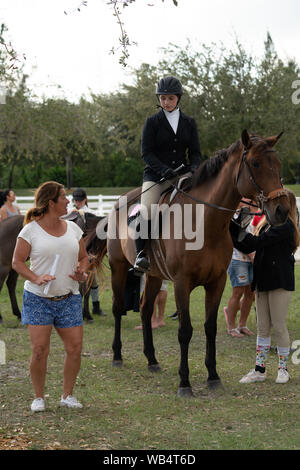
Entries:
{"x":255,"y":164}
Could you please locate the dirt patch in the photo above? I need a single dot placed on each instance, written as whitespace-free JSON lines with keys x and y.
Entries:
{"x":11,"y":372}
{"x":14,"y":443}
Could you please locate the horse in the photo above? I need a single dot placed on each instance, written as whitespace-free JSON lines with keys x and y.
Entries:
{"x":248,"y":168}
{"x":9,"y":230}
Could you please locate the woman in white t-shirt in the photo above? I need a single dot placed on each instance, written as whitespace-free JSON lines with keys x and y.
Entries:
{"x":58,"y":262}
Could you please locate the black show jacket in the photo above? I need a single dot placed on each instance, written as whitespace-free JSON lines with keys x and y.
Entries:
{"x":274,"y":261}
{"x":162,"y":148}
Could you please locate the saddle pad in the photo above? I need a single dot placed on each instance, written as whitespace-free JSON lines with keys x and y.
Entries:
{"x":134,"y":212}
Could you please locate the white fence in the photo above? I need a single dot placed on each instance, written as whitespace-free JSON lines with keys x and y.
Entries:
{"x":102,"y":205}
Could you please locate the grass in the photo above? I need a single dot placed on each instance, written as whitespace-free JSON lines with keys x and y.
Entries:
{"x":131,"y":408}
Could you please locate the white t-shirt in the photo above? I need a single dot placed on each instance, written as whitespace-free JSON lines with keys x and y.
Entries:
{"x":44,"y":248}
{"x":238,"y":255}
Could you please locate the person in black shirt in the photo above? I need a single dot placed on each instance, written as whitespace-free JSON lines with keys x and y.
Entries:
{"x":273,"y":282}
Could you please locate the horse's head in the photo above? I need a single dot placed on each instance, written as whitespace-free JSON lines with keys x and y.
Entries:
{"x":258,"y":177}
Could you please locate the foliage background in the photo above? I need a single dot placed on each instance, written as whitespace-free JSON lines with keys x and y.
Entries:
{"x":96,"y":141}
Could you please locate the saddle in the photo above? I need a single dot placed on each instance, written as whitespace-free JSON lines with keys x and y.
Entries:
{"x":78,"y":217}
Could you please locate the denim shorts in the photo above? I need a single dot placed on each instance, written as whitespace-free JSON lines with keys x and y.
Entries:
{"x":240,"y":273}
{"x":37,"y":310}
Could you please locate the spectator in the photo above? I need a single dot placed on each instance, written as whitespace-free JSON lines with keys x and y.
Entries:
{"x":157,"y":318}
{"x":58,"y":261}
{"x":8,"y":208}
{"x":240,"y":272}
{"x":80,"y":202}
{"x":273,"y":281}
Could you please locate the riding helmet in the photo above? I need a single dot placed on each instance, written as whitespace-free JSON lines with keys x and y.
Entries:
{"x":79,"y":194}
{"x":169,"y":86}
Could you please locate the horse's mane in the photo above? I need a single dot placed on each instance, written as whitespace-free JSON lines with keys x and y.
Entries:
{"x":212,"y":166}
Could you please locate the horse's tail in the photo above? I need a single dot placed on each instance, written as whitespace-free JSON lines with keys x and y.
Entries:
{"x":97,"y":249}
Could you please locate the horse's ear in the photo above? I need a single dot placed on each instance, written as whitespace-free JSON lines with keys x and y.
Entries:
{"x":273,"y":140}
{"x":246,"y":139}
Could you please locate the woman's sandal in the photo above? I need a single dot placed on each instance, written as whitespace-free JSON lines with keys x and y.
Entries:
{"x":235,"y":333}
{"x":245,"y":331}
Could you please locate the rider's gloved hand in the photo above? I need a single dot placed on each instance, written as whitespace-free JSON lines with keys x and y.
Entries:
{"x":168,"y":173}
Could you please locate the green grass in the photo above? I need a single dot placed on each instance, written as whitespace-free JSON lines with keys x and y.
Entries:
{"x":131,"y":408}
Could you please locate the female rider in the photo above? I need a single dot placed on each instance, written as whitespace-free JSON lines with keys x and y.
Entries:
{"x":169,"y":140}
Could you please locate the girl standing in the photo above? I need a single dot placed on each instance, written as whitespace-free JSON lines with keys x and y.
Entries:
{"x":273,"y":282}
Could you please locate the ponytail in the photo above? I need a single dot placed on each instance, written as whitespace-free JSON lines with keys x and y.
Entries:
{"x":34,"y":213}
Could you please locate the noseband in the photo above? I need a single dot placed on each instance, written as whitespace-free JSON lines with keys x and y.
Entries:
{"x":261,"y":198}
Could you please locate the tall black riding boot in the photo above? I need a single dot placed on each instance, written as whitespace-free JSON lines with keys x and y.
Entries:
{"x":141,"y":264}
{"x":97,"y":310}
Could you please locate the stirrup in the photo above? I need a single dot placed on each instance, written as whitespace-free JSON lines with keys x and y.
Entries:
{"x":141,"y":263}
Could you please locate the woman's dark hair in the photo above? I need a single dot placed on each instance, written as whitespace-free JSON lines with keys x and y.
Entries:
{"x":3,"y":196}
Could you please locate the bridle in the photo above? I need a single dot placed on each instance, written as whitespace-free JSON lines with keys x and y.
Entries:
{"x":261,"y":198}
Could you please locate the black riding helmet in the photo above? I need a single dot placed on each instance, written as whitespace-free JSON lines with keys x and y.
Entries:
{"x":79,"y":194}
{"x":169,"y":86}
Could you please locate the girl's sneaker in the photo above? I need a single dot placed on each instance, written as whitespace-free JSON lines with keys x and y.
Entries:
{"x":253,"y":376}
{"x":38,"y":404}
{"x":283,"y":376}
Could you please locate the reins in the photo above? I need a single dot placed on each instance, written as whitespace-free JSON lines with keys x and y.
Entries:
{"x":261,"y":196}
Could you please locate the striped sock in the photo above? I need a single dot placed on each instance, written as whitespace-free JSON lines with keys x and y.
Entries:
{"x":283,"y":355}
{"x":262,"y":350}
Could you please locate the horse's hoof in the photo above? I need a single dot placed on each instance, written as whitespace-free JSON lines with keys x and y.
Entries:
{"x":117,"y":363}
{"x":154,"y":368}
{"x":185,"y":392}
{"x":214,"y":384}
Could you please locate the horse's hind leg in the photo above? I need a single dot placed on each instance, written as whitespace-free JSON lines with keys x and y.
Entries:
{"x":185,"y":332}
{"x":213,"y":296}
{"x":11,"y":283}
{"x":152,"y":287}
{"x":119,"y":273}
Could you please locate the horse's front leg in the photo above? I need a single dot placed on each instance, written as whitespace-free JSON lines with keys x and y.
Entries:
{"x":152,"y":287}
{"x":213,"y":296}
{"x":85,"y":293}
{"x":185,"y":332}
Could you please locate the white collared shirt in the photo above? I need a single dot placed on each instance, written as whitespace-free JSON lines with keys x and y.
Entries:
{"x":173,"y":118}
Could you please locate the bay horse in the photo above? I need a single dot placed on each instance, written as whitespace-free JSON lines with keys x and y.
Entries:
{"x":9,"y":231}
{"x":248,"y":168}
